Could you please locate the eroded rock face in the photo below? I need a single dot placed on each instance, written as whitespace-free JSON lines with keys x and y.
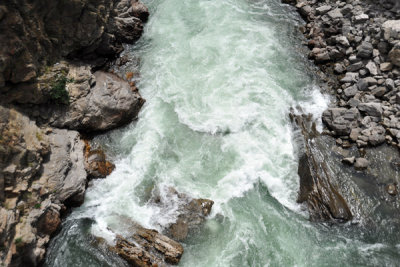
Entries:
{"x":42,"y":171}
{"x":36,"y":33}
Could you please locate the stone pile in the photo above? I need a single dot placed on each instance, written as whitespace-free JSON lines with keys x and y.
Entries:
{"x":357,"y":45}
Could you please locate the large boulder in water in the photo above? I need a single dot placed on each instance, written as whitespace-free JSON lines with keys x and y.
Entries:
{"x":317,"y":188}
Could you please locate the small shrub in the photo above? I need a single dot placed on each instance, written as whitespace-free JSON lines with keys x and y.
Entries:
{"x":58,"y":92}
{"x":37,"y":206}
{"x":18,"y":240}
{"x":39,"y":136}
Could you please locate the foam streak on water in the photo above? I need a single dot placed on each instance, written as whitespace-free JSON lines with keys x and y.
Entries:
{"x":219,"y":78}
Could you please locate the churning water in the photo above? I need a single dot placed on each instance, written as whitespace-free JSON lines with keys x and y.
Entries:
{"x":219,"y":78}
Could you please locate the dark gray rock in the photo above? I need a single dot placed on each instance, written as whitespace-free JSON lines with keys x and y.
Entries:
{"x":350,"y":77}
{"x":317,"y":188}
{"x":335,"y":14}
{"x":379,"y":91}
{"x":350,"y":91}
{"x":372,"y":109}
{"x":365,"y":50}
{"x":108,"y":103}
{"x":394,"y":55}
{"x":362,"y":85}
{"x":355,"y":66}
{"x":323,"y":9}
{"x":341,"y":120}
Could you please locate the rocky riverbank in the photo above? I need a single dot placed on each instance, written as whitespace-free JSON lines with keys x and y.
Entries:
{"x":54,"y":86}
{"x":356,"y":45}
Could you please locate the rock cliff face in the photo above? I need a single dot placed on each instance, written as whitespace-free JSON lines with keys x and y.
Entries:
{"x":37,"y":33}
{"x":51,"y":88}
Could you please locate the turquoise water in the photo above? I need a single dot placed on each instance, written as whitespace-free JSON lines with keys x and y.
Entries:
{"x":219,"y":78}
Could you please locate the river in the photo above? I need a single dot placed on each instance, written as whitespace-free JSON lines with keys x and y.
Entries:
{"x":219,"y":78}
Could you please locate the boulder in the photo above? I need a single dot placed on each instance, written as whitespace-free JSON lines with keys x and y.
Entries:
{"x":391,"y":29}
{"x":146,"y":247}
{"x":350,"y":91}
{"x":365,"y":50}
{"x":392,"y":189}
{"x":135,"y":256}
{"x":98,"y":102}
{"x":349,"y":161}
{"x":375,"y":135}
{"x":350,"y":77}
{"x":361,"y":164}
{"x":335,"y":14}
{"x":362,"y":18}
{"x":372,"y":109}
{"x":50,"y":30}
{"x":343,"y":41}
{"x":171,"y":250}
{"x":394,"y":55}
{"x":372,"y":69}
{"x":323,"y":9}
{"x":386,"y":66}
{"x":341,"y":120}
{"x":41,"y":172}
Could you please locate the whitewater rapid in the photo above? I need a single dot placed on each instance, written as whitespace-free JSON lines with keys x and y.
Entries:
{"x":219,"y":78}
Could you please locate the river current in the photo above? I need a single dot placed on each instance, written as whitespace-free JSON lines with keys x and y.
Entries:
{"x":219,"y":78}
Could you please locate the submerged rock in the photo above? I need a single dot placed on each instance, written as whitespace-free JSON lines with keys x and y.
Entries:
{"x":191,"y":213}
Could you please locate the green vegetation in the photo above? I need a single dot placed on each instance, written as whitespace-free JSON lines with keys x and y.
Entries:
{"x":58,"y":92}
{"x":18,"y":240}
{"x":39,"y":136}
{"x":37,"y":206}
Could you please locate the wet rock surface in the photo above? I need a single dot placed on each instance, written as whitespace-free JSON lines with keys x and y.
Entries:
{"x":96,"y":163}
{"x":369,"y":192}
{"x":190,"y":213}
{"x":147,"y":247}
{"x":140,"y":246}
{"x":317,"y":186}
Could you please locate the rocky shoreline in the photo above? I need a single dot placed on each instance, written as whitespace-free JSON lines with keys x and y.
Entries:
{"x":59,"y":86}
{"x":55,"y":89}
{"x":356,"y":45}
